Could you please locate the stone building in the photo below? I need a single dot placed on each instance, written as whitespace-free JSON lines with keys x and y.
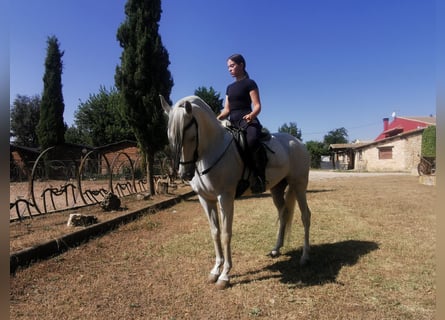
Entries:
{"x":396,"y":148}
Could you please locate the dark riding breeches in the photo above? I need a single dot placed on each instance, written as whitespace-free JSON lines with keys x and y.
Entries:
{"x":253,"y":133}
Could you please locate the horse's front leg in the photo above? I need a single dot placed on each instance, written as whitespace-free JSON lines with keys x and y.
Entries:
{"x":226,"y":216}
{"x":211,"y":211}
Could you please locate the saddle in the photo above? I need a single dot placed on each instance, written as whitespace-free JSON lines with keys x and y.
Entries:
{"x":239,"y":135}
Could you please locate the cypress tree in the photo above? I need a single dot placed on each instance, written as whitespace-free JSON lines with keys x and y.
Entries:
{"x":142,"y":76}
{"x":51,"y":128}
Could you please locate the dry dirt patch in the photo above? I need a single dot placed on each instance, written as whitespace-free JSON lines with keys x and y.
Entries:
{"x":373,"y":257}
{"x":30,"y":232}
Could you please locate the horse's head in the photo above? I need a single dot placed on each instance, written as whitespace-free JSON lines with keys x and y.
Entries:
{"x":183,"y":137}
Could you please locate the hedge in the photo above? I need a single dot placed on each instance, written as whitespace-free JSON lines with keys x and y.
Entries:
{"x":429,"y":142}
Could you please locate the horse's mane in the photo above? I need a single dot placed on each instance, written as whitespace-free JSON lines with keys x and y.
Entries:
{"x":199,"y":104}
{"x":197,"y":101}
{"x":176,"y":123}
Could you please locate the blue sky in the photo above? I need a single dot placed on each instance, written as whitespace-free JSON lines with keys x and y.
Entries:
{"x":323,"y":64}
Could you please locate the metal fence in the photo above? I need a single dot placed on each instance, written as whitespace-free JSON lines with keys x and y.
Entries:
{"x":62,"y":184}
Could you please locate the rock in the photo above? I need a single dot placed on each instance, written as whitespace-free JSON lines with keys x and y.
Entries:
{"x":110,"y":202}
{"x":429,"y":180}
{"x":143,"y":196}
{"x":76,"y":220}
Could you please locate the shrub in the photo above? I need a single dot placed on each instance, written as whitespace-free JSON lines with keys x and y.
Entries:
{"x":429,"y":142}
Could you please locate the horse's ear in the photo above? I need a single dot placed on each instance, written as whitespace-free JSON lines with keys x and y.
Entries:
{"x":188,"y":107}
{"x":165,"y":104}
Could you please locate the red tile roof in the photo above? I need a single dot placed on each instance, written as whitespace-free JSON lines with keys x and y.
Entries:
{"x":405,"y":124}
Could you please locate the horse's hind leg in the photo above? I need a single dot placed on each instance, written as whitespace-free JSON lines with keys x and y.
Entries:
{"x":280,"y":203}
{"x":306,"y":219}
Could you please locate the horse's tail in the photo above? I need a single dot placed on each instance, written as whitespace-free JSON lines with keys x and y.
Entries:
{"x":288,"y":214}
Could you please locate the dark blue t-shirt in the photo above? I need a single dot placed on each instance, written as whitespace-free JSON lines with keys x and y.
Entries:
{"x":238,"y":94}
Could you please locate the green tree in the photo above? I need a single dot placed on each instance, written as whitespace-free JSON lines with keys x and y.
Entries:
{"x":99,"y":120}
{"x":74,"y":135}
{"x":51,"y":128}
{"x":292,"y":129}
{"x":142,"y":76}
{"x":316,"y":149}
{"x":339,"y":135}
{"x":211,"y":97}
{"x":25,"y":114}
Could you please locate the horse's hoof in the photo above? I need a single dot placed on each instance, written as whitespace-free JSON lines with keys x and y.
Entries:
{"x":222,"y":284}
{"x":212,"y":278}
{"x":274,"y":254}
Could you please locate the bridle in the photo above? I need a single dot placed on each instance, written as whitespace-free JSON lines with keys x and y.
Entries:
{"x":195,"y":152}
{"x":178,"y":162}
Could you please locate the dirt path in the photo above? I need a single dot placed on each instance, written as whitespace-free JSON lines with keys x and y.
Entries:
{"x":315,"y":175}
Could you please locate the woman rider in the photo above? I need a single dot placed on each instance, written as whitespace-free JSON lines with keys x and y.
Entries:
{"x":240,"y":96}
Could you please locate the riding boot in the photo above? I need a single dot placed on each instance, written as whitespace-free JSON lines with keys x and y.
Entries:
{"x":259,"y":158}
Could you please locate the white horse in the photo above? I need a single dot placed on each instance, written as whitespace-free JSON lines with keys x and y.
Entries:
{"x":208,"y":157}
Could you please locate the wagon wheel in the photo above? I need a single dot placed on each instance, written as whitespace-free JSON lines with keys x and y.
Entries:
{"x":423,"y":168}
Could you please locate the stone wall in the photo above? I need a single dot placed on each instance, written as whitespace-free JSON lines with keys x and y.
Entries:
{"x":405,"y":154}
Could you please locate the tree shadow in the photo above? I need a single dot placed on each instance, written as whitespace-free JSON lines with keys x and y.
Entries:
{"x":326,"y":261}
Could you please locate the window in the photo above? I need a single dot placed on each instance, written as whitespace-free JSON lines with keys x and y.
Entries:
{"x":385,"y":153}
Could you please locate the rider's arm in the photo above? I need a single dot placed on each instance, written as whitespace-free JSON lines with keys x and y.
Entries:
{"x":225,"y":111}
{"x":255,"y":97}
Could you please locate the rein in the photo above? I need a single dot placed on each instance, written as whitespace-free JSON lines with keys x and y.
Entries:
{"x":217,"y":160}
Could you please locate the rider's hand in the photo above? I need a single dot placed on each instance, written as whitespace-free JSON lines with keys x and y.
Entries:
{"x":248,"y":117}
